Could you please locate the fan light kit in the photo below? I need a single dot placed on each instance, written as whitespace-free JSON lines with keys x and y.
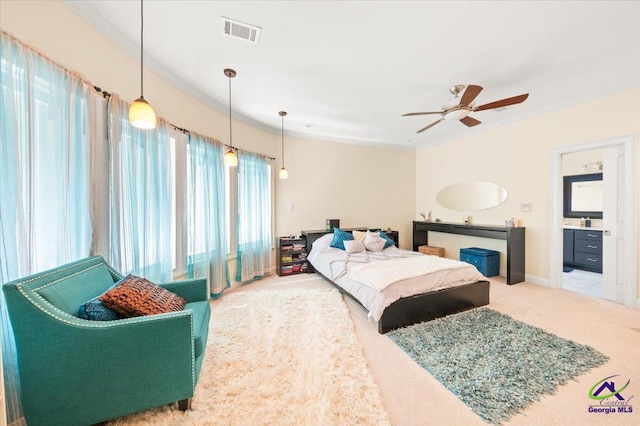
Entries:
{"x":460,"y":108}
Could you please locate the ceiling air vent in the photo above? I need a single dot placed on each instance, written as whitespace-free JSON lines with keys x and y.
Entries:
{"x":241,"y":30}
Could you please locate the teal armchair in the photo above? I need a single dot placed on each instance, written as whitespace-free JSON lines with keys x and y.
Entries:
{"x":79,"y":372}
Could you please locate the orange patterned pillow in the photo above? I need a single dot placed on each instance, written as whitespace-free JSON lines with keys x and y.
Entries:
{"x":136,"y":296}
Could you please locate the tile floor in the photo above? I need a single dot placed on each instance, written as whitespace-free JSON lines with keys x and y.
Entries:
{"x":589,"y":283}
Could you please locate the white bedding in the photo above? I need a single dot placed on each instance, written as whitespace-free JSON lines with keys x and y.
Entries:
{"x":337,"y":265}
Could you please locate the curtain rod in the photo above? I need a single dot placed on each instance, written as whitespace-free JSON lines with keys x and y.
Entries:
{"x":188,"y":132}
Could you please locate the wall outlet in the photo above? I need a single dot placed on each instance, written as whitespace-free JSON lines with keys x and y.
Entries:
{"x":526,"y":207}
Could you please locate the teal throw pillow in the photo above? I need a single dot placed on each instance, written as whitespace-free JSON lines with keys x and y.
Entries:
{"x":95,"y":310}
{"x":388,"y":241}
{"x":339,"y":237}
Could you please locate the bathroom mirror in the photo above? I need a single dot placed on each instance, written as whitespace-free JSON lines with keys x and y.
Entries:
{"x":472,"y":196}
{"x":583,"y":196}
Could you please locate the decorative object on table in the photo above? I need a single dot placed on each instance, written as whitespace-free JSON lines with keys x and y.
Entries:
{"x":467,"y":220}
{"x":424,"y":217}
{"x":432,"y":250}
{"x":429,"y":217}
{"x":230,"y":158}
{"x":141,"y":113}
{"x":333,"y":223}
{"x":511,"y":223}
{"x":283,"y":174}
{"x":460,"y":352}
{"x":587,"y":223}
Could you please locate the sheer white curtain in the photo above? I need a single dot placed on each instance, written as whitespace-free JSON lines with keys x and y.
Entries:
{"x":254,"y":235}
{"x":206,"y":234}
{"x":140,"y":188}
{"x":45,"y":221}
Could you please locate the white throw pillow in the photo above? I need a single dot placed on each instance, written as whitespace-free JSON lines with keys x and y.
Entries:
{"x":359,"y":235}
{"x":373,"y":242}
{"x":354,"y":246}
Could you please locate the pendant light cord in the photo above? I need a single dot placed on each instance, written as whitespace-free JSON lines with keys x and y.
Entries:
{"x":230,"y":139}
{"x":282,"y":135}
{"x":142,"y":49}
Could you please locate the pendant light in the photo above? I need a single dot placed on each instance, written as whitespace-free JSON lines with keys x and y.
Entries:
{"x":141,"y":114}
{"x":283,"y":174}
{"x":230,"y":158}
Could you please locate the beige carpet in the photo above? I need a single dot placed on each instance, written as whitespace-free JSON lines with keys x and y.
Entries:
{"x":279,"y":357}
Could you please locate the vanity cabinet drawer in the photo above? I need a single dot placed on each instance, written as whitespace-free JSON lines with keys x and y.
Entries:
{"x":588,"y":246}
{"x":588,"y":235}
{"x":588,"y":259}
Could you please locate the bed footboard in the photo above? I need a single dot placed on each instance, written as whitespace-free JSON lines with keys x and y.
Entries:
{"x":432,"y":305}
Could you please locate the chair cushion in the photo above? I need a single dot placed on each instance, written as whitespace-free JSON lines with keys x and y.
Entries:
{"x":201,"y":316}
{"x":137,"y":296}
{"x":69,"y":292}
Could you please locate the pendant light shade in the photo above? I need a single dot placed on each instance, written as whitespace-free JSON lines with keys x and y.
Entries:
{"x":230,"y":158}
{"x":283,"y":174}
{"x":141,"y":114}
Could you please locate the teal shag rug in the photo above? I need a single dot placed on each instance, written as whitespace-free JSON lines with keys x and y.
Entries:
{"x":496,"y":365}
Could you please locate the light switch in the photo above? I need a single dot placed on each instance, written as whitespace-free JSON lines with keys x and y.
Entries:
{"x":526,"y":207}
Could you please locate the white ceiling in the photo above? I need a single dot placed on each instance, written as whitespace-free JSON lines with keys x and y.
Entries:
{"x":347,"y":70}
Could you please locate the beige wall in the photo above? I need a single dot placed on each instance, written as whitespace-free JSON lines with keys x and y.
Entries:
{"x":361,"y":186}
{"x":518,"y":156}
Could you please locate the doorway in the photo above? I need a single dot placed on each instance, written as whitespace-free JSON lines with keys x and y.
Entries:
{"x":582,"y":225}
{"x":619,"y":227}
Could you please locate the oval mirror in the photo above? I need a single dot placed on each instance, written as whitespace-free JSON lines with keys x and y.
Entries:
{"x":472,"y":196}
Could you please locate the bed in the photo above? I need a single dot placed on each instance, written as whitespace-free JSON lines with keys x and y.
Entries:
{"x":444,"y":287}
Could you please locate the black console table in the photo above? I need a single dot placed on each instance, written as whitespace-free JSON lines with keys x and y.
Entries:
{"x":513,"y":235}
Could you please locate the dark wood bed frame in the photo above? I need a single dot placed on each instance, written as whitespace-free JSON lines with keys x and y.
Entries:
{"x":426,"y":306}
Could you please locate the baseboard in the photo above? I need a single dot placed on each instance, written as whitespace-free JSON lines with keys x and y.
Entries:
{"x":537,"y":280}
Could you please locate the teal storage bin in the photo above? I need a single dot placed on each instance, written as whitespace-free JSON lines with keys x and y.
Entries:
{"x":486,"y":261}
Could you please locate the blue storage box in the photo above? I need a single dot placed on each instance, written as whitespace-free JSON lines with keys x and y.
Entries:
{"x":486,"y":261}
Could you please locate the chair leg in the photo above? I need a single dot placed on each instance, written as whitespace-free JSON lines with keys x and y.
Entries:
{"x":184,"y":404}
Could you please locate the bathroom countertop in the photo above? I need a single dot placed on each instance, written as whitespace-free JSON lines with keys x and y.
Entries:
{"x":581,"y":227}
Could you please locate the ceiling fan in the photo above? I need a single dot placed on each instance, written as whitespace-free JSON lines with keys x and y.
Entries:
{"x":460,"y":108}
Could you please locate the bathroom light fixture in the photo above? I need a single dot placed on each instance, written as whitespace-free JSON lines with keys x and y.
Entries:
{"x":283,"y":174}
{"x":230,"y":158}
{"x":141,"y":114}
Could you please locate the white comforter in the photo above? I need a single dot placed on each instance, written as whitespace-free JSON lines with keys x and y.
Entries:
{"x":336,"y":264}
{"x":380,"y":275}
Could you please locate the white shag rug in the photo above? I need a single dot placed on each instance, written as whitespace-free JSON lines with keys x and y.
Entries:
{"x":279,"y":357}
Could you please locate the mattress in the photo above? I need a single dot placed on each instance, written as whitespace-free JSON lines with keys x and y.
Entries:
{"x":334,"y":264}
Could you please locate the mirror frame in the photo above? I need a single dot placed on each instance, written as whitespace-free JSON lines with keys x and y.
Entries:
{"x":568,"y":181}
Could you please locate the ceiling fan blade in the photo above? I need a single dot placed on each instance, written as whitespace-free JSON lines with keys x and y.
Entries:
{"x":421,"y":113}
{"x":430,"y":126}
{"x":502,"y":102}
{"x":470,"y":121}
{"x":470,"y":93}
